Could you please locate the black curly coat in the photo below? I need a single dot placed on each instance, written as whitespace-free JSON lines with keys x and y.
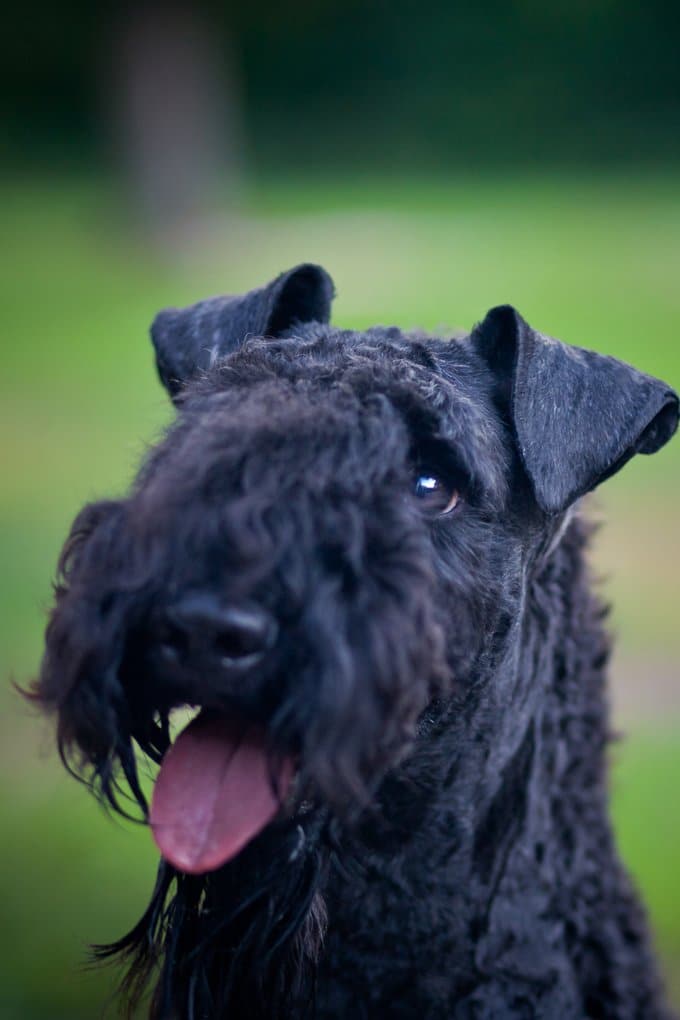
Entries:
{"x":402,"y":509}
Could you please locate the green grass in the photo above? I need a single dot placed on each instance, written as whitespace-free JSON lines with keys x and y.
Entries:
{"x":647,"y":822}
{"x":592,"y":260}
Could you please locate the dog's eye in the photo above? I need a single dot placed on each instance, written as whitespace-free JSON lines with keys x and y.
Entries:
{"x":435,"y":495}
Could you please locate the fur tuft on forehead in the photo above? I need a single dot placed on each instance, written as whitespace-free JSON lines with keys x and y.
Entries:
{"x":321,"y":379}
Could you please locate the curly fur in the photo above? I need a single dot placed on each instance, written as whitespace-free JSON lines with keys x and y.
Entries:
{"x":440,"y":680}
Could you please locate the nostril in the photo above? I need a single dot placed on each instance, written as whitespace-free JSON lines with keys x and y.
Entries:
{"x":172,"y":643}
{"x":244,"y":634}
{"x":236,"y":644}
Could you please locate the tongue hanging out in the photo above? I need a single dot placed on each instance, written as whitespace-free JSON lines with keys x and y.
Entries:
{"x":214,"y":793}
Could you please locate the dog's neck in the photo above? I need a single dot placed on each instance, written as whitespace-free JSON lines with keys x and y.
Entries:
{"x":498,"y":819}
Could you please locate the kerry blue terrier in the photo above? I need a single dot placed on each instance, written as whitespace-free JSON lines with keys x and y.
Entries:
{"x":356,"y":555}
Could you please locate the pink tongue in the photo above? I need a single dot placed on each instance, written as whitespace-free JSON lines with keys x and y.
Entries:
{"x":214,"y":793}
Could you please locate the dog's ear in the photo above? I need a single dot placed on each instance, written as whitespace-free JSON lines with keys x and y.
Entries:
{"x":578,"y":416}
{"x":187,"y":340}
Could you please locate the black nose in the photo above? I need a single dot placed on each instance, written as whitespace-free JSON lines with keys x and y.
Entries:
{"x":202,"y":628}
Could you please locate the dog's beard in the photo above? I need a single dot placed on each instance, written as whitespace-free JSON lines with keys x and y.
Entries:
{"x":241,"y":934}
{"x":242,"y":940}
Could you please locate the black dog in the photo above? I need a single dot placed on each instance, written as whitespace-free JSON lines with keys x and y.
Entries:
{"x":356,"y":553}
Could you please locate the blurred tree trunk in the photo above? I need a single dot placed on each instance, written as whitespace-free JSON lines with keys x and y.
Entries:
{"x":175,"y":94}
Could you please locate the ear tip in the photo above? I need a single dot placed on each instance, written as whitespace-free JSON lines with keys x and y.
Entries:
{"x":503,"y":309}
{"x":163,"y":330}
{"x":502,"y":314}
{"x":663,"y":425}
{"x":314,"y":277}
{"x":500,"y":328}
{"x":162,"y":324}
{"x":300,"y":295}
{"x":312,"y":269}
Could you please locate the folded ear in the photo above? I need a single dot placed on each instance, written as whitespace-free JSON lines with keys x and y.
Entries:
{"x":190,"y":339}
{"x":578,"y":416}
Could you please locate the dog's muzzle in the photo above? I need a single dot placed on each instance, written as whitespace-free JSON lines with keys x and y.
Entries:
{"x":220,"y":782}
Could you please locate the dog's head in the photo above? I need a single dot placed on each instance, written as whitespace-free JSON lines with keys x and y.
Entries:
{"x":335,"y":534}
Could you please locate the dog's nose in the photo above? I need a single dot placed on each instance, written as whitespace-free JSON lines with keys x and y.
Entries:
{"x":231,"y":635}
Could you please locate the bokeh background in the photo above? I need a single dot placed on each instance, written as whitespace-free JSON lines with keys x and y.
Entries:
{"x":438,"y":158}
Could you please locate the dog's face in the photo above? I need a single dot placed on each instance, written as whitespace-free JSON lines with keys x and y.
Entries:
{"x":336,"y":534}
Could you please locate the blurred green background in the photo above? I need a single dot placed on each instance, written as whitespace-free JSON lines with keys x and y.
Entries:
{"x":438,"y":159}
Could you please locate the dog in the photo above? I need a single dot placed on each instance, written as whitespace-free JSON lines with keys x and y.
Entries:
{"x":359,"y":557}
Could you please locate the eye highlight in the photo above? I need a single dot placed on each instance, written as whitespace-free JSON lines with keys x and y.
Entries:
{"x":435,"y":495}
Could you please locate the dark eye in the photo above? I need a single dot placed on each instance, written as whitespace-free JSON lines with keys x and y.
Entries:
{"x":435,"y":495}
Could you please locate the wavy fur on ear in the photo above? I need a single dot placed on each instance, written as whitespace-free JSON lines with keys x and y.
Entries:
{"x":578,"y":416}
{"x":191,"y":340}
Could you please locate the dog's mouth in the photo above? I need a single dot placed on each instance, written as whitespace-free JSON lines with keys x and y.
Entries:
{"x":219,"y":785}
